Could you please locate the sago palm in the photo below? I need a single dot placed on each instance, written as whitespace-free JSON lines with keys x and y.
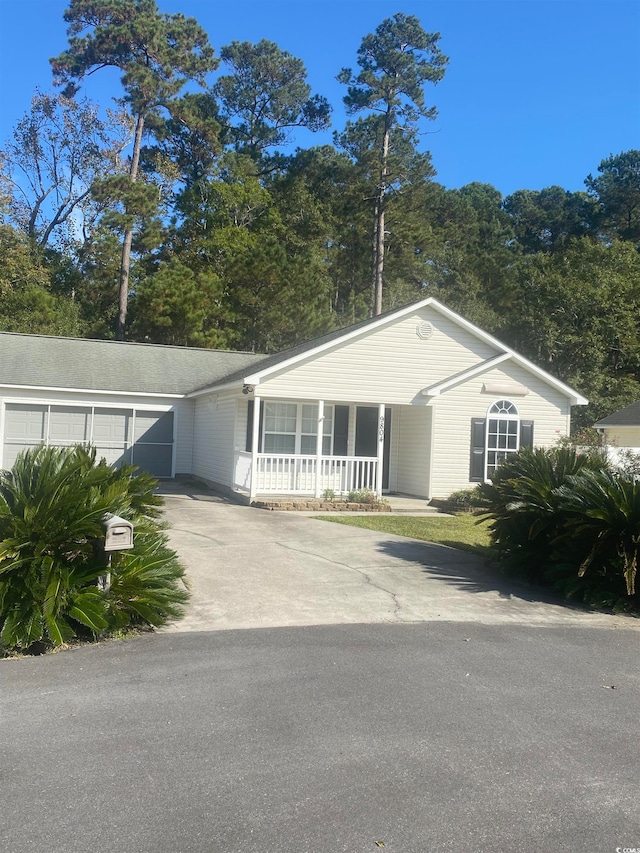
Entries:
{"x":52,"y":504}
{"x":603,"y":512}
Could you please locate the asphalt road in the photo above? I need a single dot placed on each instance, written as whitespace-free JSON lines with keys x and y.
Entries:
{"x":436,"y":736}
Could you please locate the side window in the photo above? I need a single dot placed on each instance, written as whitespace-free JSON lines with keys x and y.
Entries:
{"x":503,"y":428}
{"x":494,"y":437}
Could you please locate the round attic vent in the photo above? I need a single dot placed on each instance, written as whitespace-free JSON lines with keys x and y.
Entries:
{"x":424,"y":330}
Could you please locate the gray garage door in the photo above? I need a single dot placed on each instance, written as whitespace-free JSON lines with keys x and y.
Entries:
{"x":119,"y":435}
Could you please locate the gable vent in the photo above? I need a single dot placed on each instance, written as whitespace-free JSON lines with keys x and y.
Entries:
{"x":508,"y":389}
{"x":424,"y":331}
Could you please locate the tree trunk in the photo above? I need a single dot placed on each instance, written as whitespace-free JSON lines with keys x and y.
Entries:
{"x":378,"y":257}
{"x":123,"y":293}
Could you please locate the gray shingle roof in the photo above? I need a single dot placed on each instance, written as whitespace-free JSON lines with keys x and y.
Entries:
{"x":629,"y":416}
{"x":41,"y":361}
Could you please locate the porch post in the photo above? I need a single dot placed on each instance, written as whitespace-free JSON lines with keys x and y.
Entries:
{"x":381,"y":408}
{"x":255,"y":438}
{"x":319,"y":446}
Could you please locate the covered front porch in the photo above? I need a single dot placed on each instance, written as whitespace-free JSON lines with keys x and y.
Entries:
{"x":314,"y":449}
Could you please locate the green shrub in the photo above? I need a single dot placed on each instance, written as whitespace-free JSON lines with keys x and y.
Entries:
{"x":471,"y":498}
{"x":602,"y":511}
{"x":363,"y":496}
{"x":566,"y":520}
{"x":524,"y":508}
{"x":52,"y":504}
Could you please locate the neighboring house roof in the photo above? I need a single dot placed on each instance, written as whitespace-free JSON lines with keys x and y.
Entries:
{"x":629,"y":416}
{"x":288,"y":358}
{"x":40,"y":361}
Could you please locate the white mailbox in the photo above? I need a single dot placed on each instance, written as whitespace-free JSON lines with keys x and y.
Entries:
{"x":118,"y":533}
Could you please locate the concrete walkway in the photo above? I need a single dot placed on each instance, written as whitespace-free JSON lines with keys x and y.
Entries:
{"x":255,"y":569}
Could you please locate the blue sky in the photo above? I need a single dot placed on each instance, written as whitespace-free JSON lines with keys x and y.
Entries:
{"x":537,"y":92}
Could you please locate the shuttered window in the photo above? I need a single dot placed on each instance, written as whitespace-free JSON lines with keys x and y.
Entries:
{"x":496,"y":436}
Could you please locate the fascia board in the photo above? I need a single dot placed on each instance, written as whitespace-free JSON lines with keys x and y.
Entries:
{"x":617,"y":426}
{"x":214,"y":389}
{"x":94,"y":391}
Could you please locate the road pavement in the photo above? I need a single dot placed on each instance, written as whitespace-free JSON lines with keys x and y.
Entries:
{"x":332,"y":690}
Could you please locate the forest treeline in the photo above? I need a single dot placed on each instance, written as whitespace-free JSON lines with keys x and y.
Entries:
{"x":186,"y":216}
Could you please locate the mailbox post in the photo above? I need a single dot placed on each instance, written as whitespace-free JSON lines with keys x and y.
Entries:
{"x":118,"y":536}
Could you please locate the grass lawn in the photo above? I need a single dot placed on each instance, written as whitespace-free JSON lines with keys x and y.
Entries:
{"x":457,"y":531}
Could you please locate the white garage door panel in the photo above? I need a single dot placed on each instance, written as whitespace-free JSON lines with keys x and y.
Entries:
{"x":111,"y":434}
{"x":25,"y":422}
{"x":110,"y":430}
{"x":112,"y":425}
{"x":25,"y":426}
{"x":69,"y":425}
{"x":154,"y":427}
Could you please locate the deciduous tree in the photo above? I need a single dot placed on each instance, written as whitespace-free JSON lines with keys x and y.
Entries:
{"x":51,"y":161}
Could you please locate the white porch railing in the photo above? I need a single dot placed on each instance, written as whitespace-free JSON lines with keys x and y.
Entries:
{"x":242,"y":472}
{"x":296,"y":474}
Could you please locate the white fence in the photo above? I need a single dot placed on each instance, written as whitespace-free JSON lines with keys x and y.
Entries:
{"x":623,"y":456}
{"x":297,"y":475}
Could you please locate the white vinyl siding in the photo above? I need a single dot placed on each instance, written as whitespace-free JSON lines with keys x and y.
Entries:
{"x":412,"y":436}
{"x":213,"y":449}
{"x":389,"y":365}
{"x":453,"y":411}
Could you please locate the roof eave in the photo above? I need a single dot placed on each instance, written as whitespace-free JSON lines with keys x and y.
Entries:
{"x":57,"y":389}
{"x":215,"y":389}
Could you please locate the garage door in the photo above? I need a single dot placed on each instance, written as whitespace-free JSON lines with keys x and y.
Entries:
{"x":144,"y":438}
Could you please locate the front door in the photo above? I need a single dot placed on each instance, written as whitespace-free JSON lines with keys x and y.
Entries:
{"x":367,"y":437}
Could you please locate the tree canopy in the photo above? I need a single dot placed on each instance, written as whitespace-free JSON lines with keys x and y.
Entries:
{"x":188,"y":216}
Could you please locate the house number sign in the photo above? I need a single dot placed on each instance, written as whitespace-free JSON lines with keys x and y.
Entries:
{"x":381,"y":429}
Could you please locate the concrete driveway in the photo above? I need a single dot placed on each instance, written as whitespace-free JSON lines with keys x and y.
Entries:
{"x":257,"y":569}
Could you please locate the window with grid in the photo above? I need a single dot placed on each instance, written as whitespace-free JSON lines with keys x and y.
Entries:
{"x":280,"y":420}
{"x":293,"y":428}
{"x":503,"y":428}
{"x":309,"y":429}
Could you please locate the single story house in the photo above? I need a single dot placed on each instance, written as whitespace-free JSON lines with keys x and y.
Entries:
{"x":621,"y":430}
{"x":417,"y":401}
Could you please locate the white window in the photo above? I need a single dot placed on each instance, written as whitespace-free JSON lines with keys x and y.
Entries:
{"x":280,"y":420}
{"x":503,"y":434}
{"x":292,"y":428}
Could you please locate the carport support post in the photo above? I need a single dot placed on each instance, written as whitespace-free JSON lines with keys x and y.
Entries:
{"x":381,"y":408}
{"x":255,"y":438}
{"x":319,"y":437}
